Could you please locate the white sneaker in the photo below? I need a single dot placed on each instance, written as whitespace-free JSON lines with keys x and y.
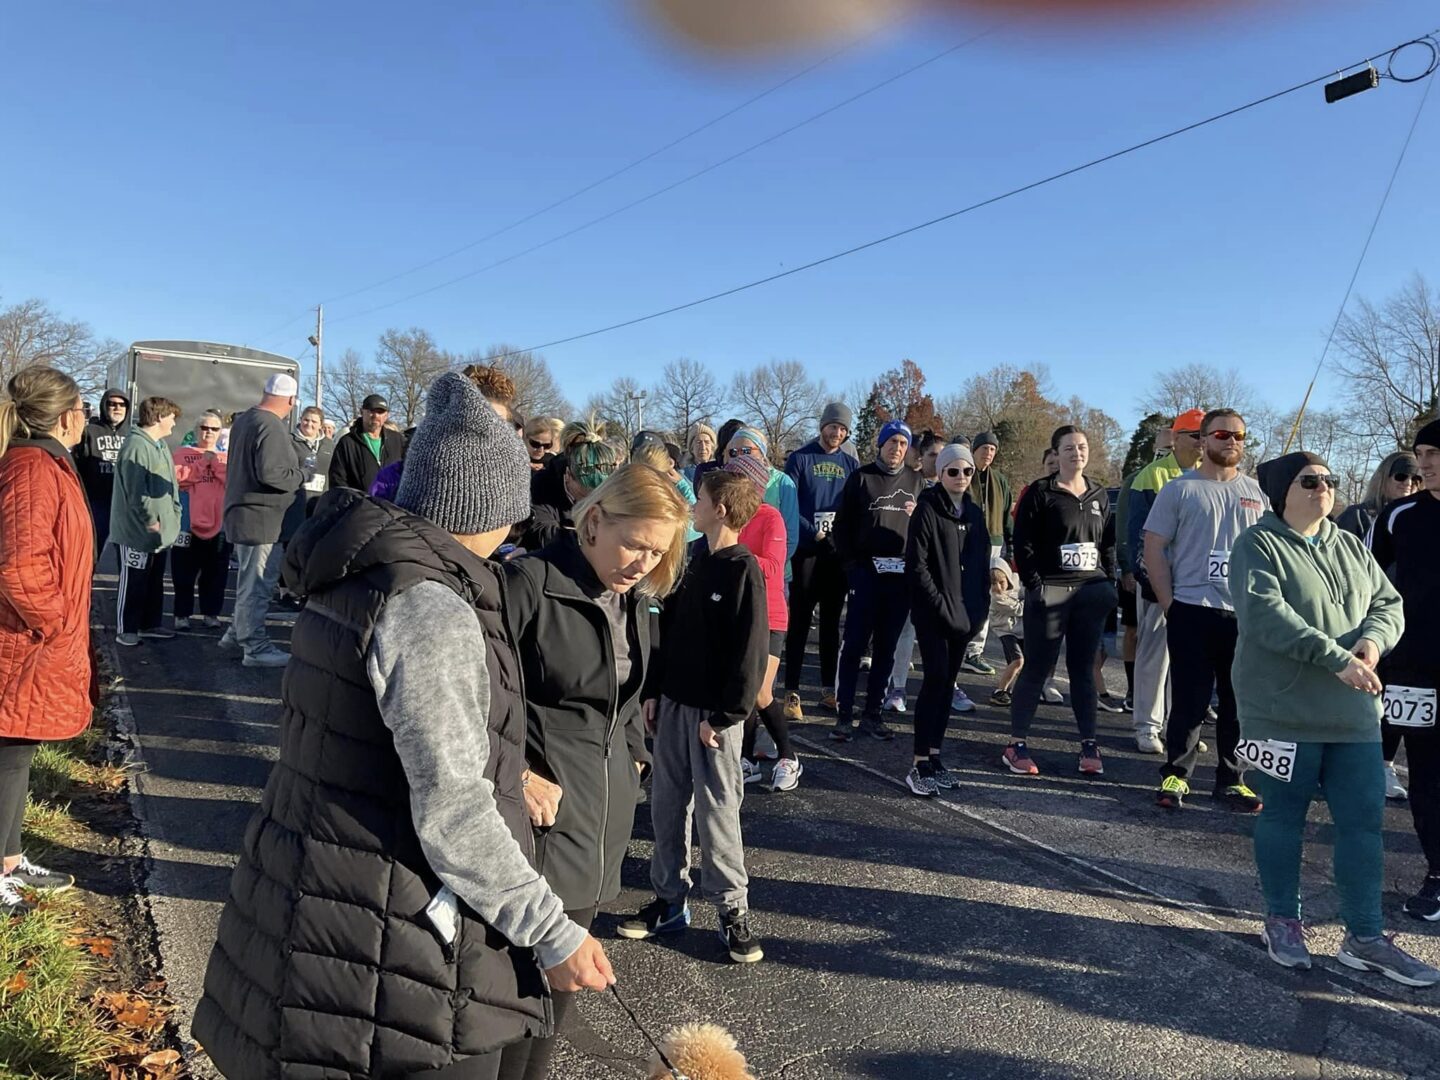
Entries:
{"x":894,"y":701}
{"x":960,"y":701}
{"x":11,"y":902}
{"x":1393,"y":788}
{"x":1149,"y":743}
{"x":864,"y":663}
{"x":228,"y":641}
{"x":786,"y":776}
{"x":1053,"y":696}
{"x":750,"y":771}
{"x":271,"y":657}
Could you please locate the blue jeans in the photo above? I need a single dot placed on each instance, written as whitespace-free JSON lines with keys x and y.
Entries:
{"x":1352,"y":777}
{"x":254,"y":587}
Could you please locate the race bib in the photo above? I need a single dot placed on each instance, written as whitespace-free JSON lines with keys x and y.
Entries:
{"x":824,"y":522}
{"x":1273,"y":758}
{"x":182,"y":540}
{"x":1084,"y":556}
{"x":889,"y":566}
{"x":1217,"y":565}
{"x":316,"y":483}
{"x":1410,"y":706}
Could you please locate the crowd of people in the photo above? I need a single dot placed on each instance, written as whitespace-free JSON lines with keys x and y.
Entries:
{"x":504,"y":627}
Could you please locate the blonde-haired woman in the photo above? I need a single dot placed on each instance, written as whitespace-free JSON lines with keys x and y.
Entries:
{"x":542,"y":439}
{"x":47,"y":550}
{"x":701,"y":447}
{"x":582,"y":617}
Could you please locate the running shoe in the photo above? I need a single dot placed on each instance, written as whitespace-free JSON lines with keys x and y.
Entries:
{"x":29,"y":875}
{"x":657,"y":917}
{"x":843,"y":731}
{"x":1016,"y":758}
{"x":864,"y":663}
{"x":829,"y":702}
{"x":11,"y":901}
{"x":1053,"y":696}
{"x":1202,"y":746}
{"x":921,"y":783}
{"x":1383,"y":956}
{"x":740,"y":940}
{"x":977,"y":665}
{"x":228,"y":641}
{"x":786,"y":775}
{"x":945,"y":780}
{"x":270,"y":656}
{"x":960,"y":701}
{"x":894,"y":701}
{"x":1393,"y":788}
{"x":212,"y":623}
{"x":1239,"y":799}
{"x":765,"y":748}
{"x":751,"y":771}
{"x":1090,"y":763}
{"x":1285,"y":941}
{"x":1108,"y":702}
{"x":794,"y":713}
{"x":1426,"y":903}
{"x":1147,"y":742}
{"x":1001,"y":698}
{"x":158,"y":633}
{"x":1172,"y":793}
{"x":1129,"y":703}
{"x":128,"y":640}
{"x":877,"y":729}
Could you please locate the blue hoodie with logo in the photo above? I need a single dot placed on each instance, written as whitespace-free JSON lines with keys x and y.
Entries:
{"x":819,"y":481}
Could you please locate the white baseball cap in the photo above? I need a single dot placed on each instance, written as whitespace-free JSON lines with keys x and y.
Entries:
{"x":282,"y":385}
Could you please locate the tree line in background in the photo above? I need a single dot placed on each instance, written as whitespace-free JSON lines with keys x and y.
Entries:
{"x":1388,"y":355}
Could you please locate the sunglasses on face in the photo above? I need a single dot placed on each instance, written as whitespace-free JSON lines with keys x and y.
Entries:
{"x":959,"y":470}
{"x":1226,"y":436}
{"x":1406,"y":477}
{"x":1310,"y":483}
{"x":536,"y":444}
{"x":740,"y":451}
{"x":212,"y":430}
{"x":115,"y":405}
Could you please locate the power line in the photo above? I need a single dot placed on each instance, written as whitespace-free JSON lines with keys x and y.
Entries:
{"x":992,"y":200}
{"x":677,"y":183}
{"x":1364,"y":250}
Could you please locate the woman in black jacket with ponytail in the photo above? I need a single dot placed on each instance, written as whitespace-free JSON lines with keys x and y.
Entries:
{"x":947,"y":560}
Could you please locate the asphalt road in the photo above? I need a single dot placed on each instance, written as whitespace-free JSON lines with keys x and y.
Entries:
{"x":1047,"y":927}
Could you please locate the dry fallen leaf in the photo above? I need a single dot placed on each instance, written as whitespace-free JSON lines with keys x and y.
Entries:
{"x":102,"y":947}
{"x":18,"y":982}
{"x":160,"y":1059}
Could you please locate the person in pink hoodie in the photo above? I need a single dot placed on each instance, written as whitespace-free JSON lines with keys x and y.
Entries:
{"x":201,"y":553}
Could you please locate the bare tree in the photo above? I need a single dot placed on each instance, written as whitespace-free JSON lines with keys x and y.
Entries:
{"x":1196,"y":386}
{"x":686,"y":395}
{"x":347,"y":382}
{"x":1391,"y":360}
{"x":620,"y":408}
{"x":1108,"y":443}
{"x":31,"y":333}
{"x":536,"y":391}
{"x":782,"y":400}
{"x":406,"y":363}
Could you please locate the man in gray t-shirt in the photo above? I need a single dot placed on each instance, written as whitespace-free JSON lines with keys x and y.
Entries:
{"x":1189,"y":532}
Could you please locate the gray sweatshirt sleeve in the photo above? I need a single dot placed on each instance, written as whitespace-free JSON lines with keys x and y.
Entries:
{"x":426,"y":663}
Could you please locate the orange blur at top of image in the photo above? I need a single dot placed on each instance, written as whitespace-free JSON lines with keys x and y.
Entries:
{"x":767,"y":24}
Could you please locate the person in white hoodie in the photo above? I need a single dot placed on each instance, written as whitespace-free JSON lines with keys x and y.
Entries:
{"x":1005,"y":611}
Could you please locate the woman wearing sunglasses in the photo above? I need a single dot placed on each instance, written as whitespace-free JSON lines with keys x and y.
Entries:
{"x":780,"y":490}
{"x":947,"y":563}
{"x":542,"y":438}
{"x":201,"y":554}
{"x":1315,"y":614}
{"x":1397,"y":477}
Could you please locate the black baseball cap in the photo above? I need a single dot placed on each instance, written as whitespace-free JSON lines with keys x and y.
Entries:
{"x":375,"y":403}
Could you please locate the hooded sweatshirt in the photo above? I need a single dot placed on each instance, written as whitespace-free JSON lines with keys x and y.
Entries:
{"x":1404,"y":538}
{"x":145,"y":493}
{"x":1301,"y":605}
{"x":99,"y":449}
{"x":874,"y":516}
{"x":947,"y":561}
{"x":819,"y":482}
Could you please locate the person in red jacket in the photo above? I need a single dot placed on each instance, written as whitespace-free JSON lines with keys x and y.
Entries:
{"x":201,"y":553}
{"x":47,"y":550}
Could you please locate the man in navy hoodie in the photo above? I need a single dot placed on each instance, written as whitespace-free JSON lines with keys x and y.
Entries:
{"x":819,"y":469}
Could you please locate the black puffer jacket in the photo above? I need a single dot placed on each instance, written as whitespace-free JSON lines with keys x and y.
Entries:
{"x":585,"y":731}
{"x":326,"y":965}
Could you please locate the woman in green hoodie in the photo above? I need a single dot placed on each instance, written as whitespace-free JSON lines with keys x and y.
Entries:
{"x":1315,"y":608}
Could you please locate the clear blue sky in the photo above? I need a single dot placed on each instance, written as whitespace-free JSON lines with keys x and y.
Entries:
{"x":210,"y":171}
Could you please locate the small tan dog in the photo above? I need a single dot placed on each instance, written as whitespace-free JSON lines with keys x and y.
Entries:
{"x":700,"y":1052}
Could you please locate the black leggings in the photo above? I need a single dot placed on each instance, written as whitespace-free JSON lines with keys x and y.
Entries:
{"x":941,"y":653}
{"x":1076,"y":614}
{"x":15,"y":758}
{"x":819,"y":581}
{"x":775,"y":723}
{"x":207,"y":561}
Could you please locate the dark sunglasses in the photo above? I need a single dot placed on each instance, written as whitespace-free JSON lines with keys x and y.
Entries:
{"x":115,"y":403}
{"x":536,"y":444}
{"x":207,"y":429}
{"x":1311,"y":482}
{"x":740,"y":451}
{"x":959,"y":470}
{"x":1226,"y":436}
{"x":1406,"y":477}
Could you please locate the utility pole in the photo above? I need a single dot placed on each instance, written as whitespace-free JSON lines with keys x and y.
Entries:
{"x":639,"y":400}
{"x":318,"y":340}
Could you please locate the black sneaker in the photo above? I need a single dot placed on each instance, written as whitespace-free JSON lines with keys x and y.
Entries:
{"x":1426,"y":903}
{"x":1110,"y":703}
{"x":1239,"y":799}
{"x":945,"y":780}
{"x":877,"y":729}
{"x":29,"y":875}
{"x":657,"y":917}
{"x":1001,"y":698}
{"x":921,"y":782}
{"x":843,"y":731}
{"x":743,"y":945}
{"x":11,"y":902}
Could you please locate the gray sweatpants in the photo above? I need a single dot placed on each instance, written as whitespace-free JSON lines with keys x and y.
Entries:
{"x":1152,"y":668}
{"x":690,"y":778}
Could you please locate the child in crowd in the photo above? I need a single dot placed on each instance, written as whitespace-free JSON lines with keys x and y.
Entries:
{"x":715,"y":636}
{"x":1005,"y":611}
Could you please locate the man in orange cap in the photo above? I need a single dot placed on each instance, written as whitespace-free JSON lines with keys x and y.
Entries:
{"x":1152,"y":658}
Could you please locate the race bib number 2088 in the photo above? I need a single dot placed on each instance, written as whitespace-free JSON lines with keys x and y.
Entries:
{"x":1273,"y":758}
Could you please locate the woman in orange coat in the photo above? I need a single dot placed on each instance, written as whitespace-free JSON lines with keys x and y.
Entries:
{"x":46,"y":555}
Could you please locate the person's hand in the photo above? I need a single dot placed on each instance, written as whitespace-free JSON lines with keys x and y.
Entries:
{"x":1127,"y":581}
{"x":210,"y":455}
{"x":1367,"y":652}
{"x":587,"y":968}
{"x":542,"y":799}
{"x":647,"y":710}
{"x":154,"y":527}
{"x":708,"y":736}
{"x":1358,"y":676}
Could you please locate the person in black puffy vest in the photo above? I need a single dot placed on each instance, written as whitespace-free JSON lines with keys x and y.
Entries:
{"x":385,"y":918}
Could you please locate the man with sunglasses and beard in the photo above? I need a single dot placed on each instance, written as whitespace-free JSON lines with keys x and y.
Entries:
{"x":1189,"y":532}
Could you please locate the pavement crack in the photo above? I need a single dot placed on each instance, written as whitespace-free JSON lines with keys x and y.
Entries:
{"x":821,"y":1051}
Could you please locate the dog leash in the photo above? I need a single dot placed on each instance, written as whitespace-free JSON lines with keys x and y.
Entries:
{"x":675,"y":1073}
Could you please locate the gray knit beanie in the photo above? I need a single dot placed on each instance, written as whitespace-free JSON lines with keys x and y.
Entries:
{"x":465,"y":469}
{"x":837,"y":412}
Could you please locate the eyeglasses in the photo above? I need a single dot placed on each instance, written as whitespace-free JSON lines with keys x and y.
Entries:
{"x":208,"y":429}
{"x":536,"y":444}
{"x":740,"y":451}
{"x":1225,"y":436}
{"x":959,"y":470}
{"x":115,"y":405}
{"x":1311,"y":482}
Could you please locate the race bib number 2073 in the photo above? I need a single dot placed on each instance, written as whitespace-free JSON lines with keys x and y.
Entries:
{"x":1273,"y":758}
{"x":1410,"y":706}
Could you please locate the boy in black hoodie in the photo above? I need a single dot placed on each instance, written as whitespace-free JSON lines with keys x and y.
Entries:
{"x":715,"y":635}
{"x":96,"y":455}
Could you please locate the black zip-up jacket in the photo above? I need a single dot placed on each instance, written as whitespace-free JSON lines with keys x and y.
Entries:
{"x":354,"y":466}
{"x":715,"y":636}
{"x":874,"y":514}
{"x":1403,"y":541}
{"x":98,"y":450}
{"x":581,"y":734}
{"x":947,"y":562}
{"x":1050,"y":517}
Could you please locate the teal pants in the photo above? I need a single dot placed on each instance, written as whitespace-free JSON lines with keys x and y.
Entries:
{"x":1352,"y":779}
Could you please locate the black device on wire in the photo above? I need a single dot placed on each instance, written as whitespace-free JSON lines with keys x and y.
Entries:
{"x":675,"y":1073}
